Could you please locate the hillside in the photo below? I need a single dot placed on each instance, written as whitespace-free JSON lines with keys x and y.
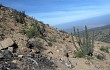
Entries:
{"x":30,"y":37}
{"x":29,"y":44}
{"x":102,"y":33}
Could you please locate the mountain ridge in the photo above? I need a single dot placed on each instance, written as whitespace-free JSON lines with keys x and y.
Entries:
{"x":90,"y":22}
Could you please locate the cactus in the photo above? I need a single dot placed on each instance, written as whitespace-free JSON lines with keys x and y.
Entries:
{"x":86,"y":44}
{"x":74,"y":42}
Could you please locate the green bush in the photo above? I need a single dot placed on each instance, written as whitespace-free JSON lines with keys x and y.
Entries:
{"x":36,"y":30}
{"x":104,"y":49}
{"x":50,"y":44}
{"x":79,"y":54}
{"x":100,"y":56}
{"x":52,"y":39}
{"x":32,"y":32}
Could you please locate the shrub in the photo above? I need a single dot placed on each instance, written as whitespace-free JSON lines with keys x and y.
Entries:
{"x":79,"y":54}
{"x":52,"y":39}
{"x":100,"y":56}
{"x":32,"y":32}
{"x":50,"y":44}
{"x":104,"y":49}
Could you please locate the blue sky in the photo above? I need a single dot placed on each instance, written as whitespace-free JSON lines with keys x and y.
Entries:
{"x":56,"y":12}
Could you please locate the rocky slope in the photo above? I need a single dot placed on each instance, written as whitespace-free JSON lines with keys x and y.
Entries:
{"x":102,"y":33}
{"x":45,"y":48}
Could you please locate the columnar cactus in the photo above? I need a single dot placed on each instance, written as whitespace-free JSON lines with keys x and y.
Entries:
{"x":86,"y":44}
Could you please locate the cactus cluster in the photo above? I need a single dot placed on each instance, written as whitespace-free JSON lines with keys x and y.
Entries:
{"x":86,"y":43}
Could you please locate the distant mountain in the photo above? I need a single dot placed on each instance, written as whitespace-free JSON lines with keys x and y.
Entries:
{"x":100,"y":25}
{"x":100,"y":28}
{"x":91,"y":23}
{"x":101,"y":33}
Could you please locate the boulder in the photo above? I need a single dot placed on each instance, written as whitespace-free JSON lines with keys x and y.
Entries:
{"x":31,"y":43}
{"x":6,"y":43}
{"x":14,"y":61}
{"x":20,"y":56}
{"x":7,"y":54}
{"x":10,"y":49}
{"x":35,"y":50}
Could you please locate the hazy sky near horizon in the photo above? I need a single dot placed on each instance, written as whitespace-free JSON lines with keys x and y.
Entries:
{"x":56,"y":12}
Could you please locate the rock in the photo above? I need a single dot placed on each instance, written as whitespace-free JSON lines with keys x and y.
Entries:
{"x":24,"y":50}
{"x":20,"y":56}
{"x":100,"y":56}
{"x":15,"y":55}
{"x":69,"y":65}
{"x":35,"y":43}
{"x":49,"y":58}
{"x":32,"y":40}
{"x":7,"y":54}
{"x":6,"y":43}
{"x":10,"y":49}
{"x":35,"y":50}
{"x":1,"y":46}
{"x":30,"y":45}
{"x":14,"y":61}
{"x":1,"y":55}
{"x":58,"y":51}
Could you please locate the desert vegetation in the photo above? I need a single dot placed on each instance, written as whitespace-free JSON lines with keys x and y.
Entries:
{"x":101,"y":33}
{"x":105,"y":49}
{"x":86,"y":44}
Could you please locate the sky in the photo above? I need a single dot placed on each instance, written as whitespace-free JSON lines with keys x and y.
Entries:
{"x":55,"y":12}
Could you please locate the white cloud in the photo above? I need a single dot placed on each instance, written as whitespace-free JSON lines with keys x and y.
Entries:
{"x":58,"y":17}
